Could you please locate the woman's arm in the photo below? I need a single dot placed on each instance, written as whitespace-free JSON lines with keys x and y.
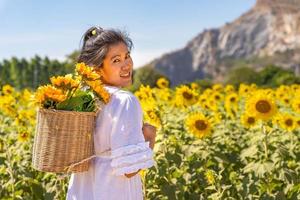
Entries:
{"x":149,"y":132}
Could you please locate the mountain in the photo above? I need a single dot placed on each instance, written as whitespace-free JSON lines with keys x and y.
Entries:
{"x":269,"y":28}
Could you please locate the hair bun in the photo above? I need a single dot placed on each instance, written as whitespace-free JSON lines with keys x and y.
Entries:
{"x":96,"y":31}
{"x":92,"y":33}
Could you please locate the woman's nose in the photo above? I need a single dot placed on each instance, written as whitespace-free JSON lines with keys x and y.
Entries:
{"x":127,"y":65}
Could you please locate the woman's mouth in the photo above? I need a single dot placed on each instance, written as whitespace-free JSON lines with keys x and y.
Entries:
{"x":125,"y":75}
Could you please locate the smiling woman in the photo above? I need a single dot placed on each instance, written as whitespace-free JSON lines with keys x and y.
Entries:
{"x":109,"y":52}
{"x":117,"y":66}
{"x":123,"y":145}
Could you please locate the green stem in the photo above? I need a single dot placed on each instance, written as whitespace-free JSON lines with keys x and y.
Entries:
{"x":265,"y":142}
{"x":69,"y":96}
{"x":11,"y":173}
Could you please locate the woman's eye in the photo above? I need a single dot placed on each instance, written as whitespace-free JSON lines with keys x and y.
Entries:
{"x":117,"y":60}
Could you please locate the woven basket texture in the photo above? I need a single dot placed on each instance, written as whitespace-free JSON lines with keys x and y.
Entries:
{"x":63,"y":138}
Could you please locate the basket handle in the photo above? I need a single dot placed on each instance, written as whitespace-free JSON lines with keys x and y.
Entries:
{"x":68,"y":168}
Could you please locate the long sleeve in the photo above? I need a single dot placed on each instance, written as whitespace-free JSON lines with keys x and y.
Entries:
{"x":129,"y":150}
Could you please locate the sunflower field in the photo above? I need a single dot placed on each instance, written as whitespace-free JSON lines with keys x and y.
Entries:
{"x":219,"y":142}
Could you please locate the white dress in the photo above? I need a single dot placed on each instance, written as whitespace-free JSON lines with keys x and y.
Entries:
{"x":120,"y":147}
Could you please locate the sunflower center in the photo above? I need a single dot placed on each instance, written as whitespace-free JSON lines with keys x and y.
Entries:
{"x":217,"y":97}
{"x":201,"y":125}
{"x":187,"y":95}
{"x":250,"y":120}
{"x":289,"y":122}
{"x":286,"y":100}
{"x":9,"y":91}
{"x":263,"y":106}
{"x":232,"y":99}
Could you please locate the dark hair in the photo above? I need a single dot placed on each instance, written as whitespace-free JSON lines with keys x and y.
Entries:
{"x":96,"y":42}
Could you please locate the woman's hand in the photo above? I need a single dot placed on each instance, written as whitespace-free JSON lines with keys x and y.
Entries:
{"x":149,"y":132}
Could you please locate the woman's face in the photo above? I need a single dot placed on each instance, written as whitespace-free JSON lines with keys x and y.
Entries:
{"x":117,"y":66}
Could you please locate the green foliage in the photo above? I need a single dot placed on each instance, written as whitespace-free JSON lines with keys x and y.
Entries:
{"x":145,"y":75}
{"x":21,"y":73}
{"x":240,"y":75}
{"x":81,"y":101}
{"x":204,"y":83}
{"x":232,"y":163}
{"x":18,"y":179}
{"x":270,"y":76}
{"x":274,"y":76}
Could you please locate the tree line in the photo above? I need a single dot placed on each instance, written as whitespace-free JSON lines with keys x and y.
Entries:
{"x":23,"y":73}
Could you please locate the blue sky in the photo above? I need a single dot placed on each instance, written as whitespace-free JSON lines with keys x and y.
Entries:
{"x":54,"y":28}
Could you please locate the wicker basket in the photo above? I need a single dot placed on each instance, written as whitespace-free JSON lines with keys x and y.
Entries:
{"x":63,"y":140}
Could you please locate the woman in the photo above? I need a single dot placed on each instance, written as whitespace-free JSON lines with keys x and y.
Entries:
{"x":122,"y":143}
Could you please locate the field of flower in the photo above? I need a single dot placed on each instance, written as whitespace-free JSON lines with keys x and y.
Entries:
{"x":213,"y":143}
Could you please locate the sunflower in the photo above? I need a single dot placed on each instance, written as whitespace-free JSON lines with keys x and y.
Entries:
{"x":100,"y":91}
{"x":195,"y":86}
{"x":26,"y":96}
{"x":217,"y":117}
{"x":232,"y":98}
{"x":87,"y":72}
{"x":211,"y":105}
{"x":248,"y":120}
{"x":64,"y":82}
{"x":202,"y":99}
{"x":279,"y":93}
{"x":297,"y":121}
{"x":23,"y":136}
{"x":198,"y":125}
{"x":276,"y":119}
{"x":49,"y":92}
{"x":210,"y":177}
{"x":7,"y":89}
{"x":144,"y":92}
{"x":185,"y":96}
{"x":231,"y":105}
{"x":244,"y":89}
{"x":163,"y":94}
{"x":296,"y":104}
{"x":253,"y":86}
{"x":162,"y":83}
{"x":208,"y":92}
{"x":217,"y":96}
{"x":288,"y":122}
{"x":285,"y":99}
{"x":229,"y":88}
{"x":152,"y":117}
{"x":217,"y":87}
{"x":8,"y":105}
{"x":261,"y":105}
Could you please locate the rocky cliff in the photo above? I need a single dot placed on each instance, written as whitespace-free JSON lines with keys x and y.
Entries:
{"x":271,"y":26}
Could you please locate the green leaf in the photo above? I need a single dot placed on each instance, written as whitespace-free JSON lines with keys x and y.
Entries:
{"x":81,"y":101}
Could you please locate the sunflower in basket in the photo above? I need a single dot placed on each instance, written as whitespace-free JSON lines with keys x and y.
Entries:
{"x":73,"y":92}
